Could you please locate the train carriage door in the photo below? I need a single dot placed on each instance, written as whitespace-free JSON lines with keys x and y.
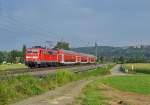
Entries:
{"x":57,"y":57}
{"x":80,"y":59}
{"x":62,"y":58}
{"x":76,"y":59}
{"x":40,"y":53}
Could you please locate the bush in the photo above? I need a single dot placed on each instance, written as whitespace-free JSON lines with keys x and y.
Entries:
{"x":63,"y":77}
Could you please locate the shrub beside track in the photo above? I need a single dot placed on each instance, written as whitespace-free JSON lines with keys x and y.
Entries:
{"x":40,"y":72}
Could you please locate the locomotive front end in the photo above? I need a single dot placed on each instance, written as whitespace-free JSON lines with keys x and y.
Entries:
{"x":32,"y":57}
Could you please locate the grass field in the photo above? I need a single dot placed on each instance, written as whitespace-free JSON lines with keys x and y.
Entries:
{"x":138,"y":67}
{"x":11,"y":66}
{"x":136,"y":84}
{"x":21,"y":87}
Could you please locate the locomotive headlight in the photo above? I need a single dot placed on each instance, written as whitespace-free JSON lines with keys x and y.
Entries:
{"x":35,"y":57}
{"x":28,"y":57}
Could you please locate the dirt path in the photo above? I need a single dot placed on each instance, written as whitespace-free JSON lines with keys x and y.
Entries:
{"x":61,"y":96}
{"x":116,"y":70}
{"x":116,"y":97}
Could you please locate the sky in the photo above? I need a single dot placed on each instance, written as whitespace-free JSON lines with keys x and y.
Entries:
{"x":79,"y":22}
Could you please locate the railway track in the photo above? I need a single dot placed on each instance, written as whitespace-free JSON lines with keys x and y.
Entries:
{"x":40,"y":72}
{"x":26,"y":70}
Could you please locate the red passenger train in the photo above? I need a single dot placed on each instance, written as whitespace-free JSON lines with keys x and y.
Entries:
{"x":42,"y":57}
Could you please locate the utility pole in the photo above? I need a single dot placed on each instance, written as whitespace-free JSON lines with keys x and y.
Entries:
{"x":95,"y":49}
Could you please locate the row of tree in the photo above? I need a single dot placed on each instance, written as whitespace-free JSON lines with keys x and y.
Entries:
{"x":16,"y":56}
{"x":122,"y":60}
{"x":13,"y":56}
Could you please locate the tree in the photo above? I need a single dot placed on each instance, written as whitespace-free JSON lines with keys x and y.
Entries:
{"x":23,"y":52}
{"x":12,"y":56}
{"x":114,"y":59}
{"x":1,"y":57}
{"x":121,"y":60}
{"x":101,"y":59}
{"x":62,"y":45}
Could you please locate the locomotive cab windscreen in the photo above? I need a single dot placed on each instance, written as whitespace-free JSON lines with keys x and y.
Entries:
{"x":33,"y":51}
{"x":32,"y":54}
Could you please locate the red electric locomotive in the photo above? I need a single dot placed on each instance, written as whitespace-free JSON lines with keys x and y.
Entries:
{"x":41,"y":57}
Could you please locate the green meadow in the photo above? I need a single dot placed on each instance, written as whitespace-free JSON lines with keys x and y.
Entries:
{"x":92,"y":95}
{"x":11,"y":66}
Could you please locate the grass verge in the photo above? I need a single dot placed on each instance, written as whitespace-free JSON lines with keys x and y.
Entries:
{"x":17,"y":88}
{"x":138,"y":84}
{"x":11,"y":66}
{"x":92,"y":95}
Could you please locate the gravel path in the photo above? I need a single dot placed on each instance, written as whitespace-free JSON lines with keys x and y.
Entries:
{"x":61,"y":96}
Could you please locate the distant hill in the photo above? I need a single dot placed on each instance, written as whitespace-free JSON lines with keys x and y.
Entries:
{"x":110,"y":52}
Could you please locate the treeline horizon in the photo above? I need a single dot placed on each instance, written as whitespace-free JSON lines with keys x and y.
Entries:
{"x":128,"y":54}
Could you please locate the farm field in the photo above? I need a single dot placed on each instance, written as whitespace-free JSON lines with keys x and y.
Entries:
{"x":117,"y":90}
{"x":11,"y":66}
{"x":138,"y":67}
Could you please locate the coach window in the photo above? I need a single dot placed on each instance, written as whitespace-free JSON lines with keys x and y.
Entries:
{"x":34,"y":51}
{"x":50,"y":52}
{"x":44,"y":52}
{"x":29,"y":52}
